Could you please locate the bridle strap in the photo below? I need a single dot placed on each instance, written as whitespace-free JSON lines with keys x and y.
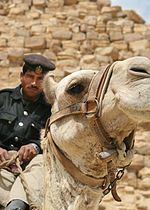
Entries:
{"x":97,"y":83}
{"x":97,"y":90}
{"x":73,"y":170}
{"x":78,"y":108}
{"x":91,"y":107}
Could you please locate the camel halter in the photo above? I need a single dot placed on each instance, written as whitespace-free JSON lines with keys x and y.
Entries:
{"x":91,"y":109}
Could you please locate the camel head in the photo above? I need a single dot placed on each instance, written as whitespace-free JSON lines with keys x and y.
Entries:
{"x":125,"y":101}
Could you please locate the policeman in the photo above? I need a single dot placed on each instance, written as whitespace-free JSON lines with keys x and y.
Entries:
{"x":23,"y":113}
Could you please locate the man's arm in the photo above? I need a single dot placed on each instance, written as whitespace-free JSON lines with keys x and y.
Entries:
{"x":4,"y":155}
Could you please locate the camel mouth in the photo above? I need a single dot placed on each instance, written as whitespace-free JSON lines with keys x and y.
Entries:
{"x":137,"y":112}
{"x":129,"y":140}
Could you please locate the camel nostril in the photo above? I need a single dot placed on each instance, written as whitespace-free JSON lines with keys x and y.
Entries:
{"x":136,"y":70}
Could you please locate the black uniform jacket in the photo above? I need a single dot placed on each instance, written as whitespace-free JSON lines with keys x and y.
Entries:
{"x":20,"y":121}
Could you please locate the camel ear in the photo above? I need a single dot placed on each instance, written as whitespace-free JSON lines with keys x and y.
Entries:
{"x":49,"y":87}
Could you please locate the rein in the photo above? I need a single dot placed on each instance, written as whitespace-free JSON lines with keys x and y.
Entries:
{"x":15,"y":160}
{"x":91,"y":108}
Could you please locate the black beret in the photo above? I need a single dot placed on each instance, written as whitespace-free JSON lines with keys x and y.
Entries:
{"x":38,"y":63}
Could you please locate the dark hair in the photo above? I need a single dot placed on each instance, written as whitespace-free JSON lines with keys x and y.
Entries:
{"x":24,"y":69}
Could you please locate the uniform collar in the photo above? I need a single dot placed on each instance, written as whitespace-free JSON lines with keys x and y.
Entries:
{"x":16,"y":93}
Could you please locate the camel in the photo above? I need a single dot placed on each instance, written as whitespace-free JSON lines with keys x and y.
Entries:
{"x":89,"y":138}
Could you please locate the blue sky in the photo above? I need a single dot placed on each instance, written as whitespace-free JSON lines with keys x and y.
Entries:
{"x":142,"y":7}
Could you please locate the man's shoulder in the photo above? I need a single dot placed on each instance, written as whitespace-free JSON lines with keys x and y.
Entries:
{"x":7,"y":90}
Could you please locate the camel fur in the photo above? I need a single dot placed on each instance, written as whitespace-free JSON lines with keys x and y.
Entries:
{"x":125,"y":103}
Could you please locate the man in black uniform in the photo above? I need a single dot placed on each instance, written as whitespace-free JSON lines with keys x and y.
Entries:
{"x":23,"y":113}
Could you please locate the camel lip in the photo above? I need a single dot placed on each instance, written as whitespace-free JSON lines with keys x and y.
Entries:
{"x":133,"y":109}
{"x":128,"y":140}
{"x":136,"y":109}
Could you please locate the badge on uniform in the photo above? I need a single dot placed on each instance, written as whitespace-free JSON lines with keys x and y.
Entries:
{"x":38,"y":70}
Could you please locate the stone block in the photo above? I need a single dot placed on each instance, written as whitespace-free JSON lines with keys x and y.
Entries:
{"x":86,"y":47}
{"x":113,"y":26}
{"x":124,"y":54}
{"x":115,"y":36}
{"x":133,"y":37}
{"x":90,"y":20}
{"x":15,"y":54}
{"x":144,"y":183}
{"x":38,"y":29}
{"x":102,"y":3}
{"x":70,"y":44}
{"x":108,"y":51}
{"x":62,"y":34}
{"x":139,"y":28}
{"x":3,"y":42}
{"x":78,"y":36}
{"x":69,"y":54}
{"x":54,"y":46}
{"x":100,"y":26}
{"x":50,"y":55}
{"x":137,"y":162}
{"x":132,"y":15}
{"x":120,"y":45}
{"x":103,"y":60}
{"x":91,"y":35}
{"x":142,"y":148}
{"x":144,"y":172}
{"x":89,"y":62}
{"x":35,"y":43}
{"x":17,"y":42}
{"x":112,"y":10}
{"x":139,"y":44}
{"x":40,"y":3}
{"x":88,"y":6}
{"x":70,"y":2}
{"x":16,"y":11}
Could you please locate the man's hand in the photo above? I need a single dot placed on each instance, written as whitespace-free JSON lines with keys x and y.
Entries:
{"x":27,"y":153}
{"x":4,"y":155}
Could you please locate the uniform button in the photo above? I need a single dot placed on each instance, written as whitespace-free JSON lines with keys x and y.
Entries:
{"x":20,"y":124}
{"x":16,"y":138}
{"x":25,"y":113}
{"x":33,"y":124}
{"x":9,"y":122}
{"x":12,"y":145}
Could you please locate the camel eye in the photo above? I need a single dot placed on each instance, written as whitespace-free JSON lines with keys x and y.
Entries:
{"x":75,"y":89}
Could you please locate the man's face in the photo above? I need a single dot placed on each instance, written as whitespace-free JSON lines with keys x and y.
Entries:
{"x":31,"y":85}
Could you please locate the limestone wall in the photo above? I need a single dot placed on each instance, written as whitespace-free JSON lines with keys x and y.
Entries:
{"x":79,"y":34}
{"x":74,"y":34}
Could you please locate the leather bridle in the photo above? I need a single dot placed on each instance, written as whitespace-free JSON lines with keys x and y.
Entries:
{"x":91,"y":108}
